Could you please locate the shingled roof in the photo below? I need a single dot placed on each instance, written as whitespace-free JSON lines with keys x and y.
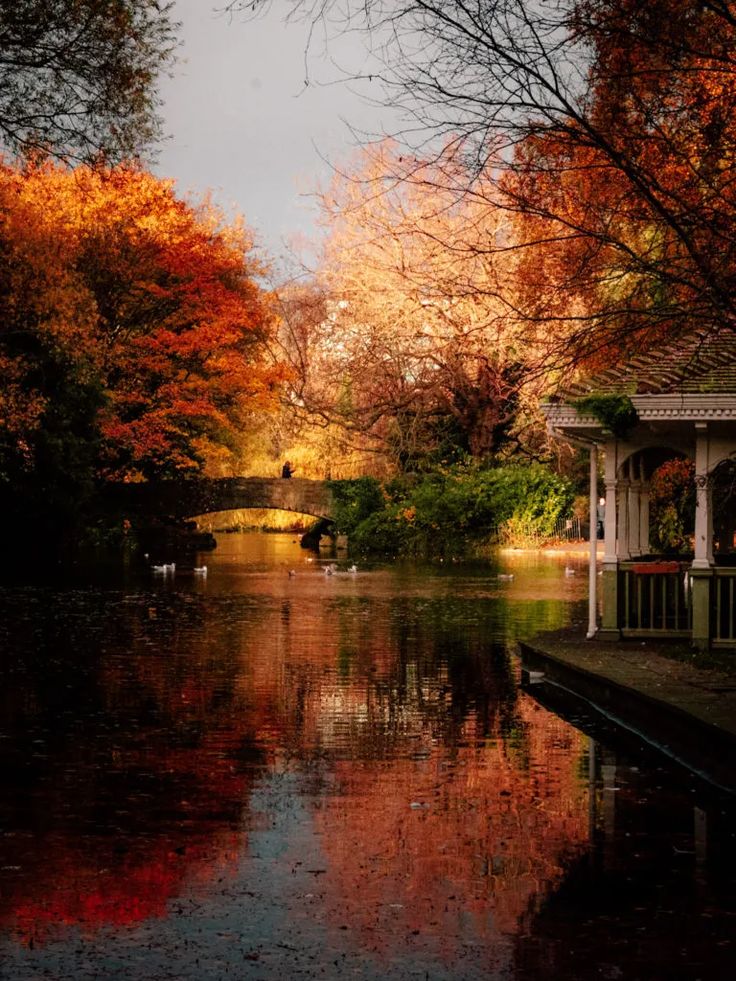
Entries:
{"x":700,"y":363}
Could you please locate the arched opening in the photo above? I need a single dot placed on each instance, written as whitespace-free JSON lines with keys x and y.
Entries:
{"x":655,"y":504}
{"x":723,"y":494}
{"x":313,"y":532}
{"x":672,"y":507}
{"x":255,"y":519}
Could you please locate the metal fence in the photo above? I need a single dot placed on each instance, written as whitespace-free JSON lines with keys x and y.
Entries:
{"x":570,"y":529}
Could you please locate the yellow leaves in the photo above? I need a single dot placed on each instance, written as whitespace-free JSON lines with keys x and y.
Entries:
{"x":419,"y":287}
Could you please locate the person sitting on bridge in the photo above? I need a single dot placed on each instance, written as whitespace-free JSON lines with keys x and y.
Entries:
{"x":287,"y":470}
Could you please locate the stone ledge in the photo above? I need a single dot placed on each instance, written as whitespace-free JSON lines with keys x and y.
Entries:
{"x":688,"y":714}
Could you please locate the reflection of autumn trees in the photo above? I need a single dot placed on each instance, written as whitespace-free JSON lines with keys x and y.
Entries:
{"x":138,"y":724}
{"x":403,"y":709}
{"x":483,"y":831}
{"x":112,"y":884}
{"x":442,"y":788}
{"x":364,"y":674}
{"x":127,"y":764}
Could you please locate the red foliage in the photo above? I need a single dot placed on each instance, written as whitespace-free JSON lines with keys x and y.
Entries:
{"x":156,"y":298}
{"x":629,"y":206}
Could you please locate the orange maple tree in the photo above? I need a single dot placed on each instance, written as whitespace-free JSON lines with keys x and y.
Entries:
{"x":628,"y":207}
{"x":114,"y":287}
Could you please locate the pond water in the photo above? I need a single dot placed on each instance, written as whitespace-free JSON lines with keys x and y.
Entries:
{"x":258,"y":774}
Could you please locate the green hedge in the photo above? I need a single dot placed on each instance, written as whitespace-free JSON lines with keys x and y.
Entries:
{"x":450,"y":511}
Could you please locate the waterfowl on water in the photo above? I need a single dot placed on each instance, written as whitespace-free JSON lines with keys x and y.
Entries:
{"x":165,"y":568}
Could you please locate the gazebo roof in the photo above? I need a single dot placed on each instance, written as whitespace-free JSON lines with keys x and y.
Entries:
{"x":687,"y":381}
{"x":699,"y":363}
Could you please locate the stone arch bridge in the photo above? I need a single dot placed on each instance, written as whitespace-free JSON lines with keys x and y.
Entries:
{"x":187,"y":498}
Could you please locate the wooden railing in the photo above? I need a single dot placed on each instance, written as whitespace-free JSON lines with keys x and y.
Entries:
{"x":654,"y":599}
{"x":723,"y":605}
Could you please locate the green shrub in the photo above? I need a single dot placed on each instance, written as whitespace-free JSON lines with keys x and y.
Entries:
{"x":533,"y":497}
{"x":449,"y":511}
{"x":354,"y":501}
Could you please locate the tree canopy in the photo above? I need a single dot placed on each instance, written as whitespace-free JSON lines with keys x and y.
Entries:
{"x":413,"y":345}
{"x":609,"y":127}
{"x":78,"y":77}
{"x":132,"y":333}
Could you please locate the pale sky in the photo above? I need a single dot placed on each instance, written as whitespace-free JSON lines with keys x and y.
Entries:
{"x":242,"y":124}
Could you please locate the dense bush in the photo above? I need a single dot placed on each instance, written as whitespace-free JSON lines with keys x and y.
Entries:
{"x":450,"y":511}
{"x":354,"y":501}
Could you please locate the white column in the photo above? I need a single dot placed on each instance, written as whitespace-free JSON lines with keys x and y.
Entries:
{"x":634,"y":511}
{"x":703,"y":501}
{"x":609,"y":617}
{"x":609,"y":527}
{"x":623,"y":549}
{"x":643,"y":510}
{"x":592,"y":570}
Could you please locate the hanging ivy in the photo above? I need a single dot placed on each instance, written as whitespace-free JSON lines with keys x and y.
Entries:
{"x":616,"y":413}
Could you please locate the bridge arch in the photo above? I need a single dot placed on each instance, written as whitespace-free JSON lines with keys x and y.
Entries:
{"x":188,"y":498}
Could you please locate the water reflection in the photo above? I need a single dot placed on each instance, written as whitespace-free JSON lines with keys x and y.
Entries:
{"x":277,"y":775}
{"x":653,"y":897}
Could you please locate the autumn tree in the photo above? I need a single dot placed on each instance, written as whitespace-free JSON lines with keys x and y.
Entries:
{"x":610,"y":127}
{"x":636,"y":194}
{"x":407,"y":339}
{"x":51,"y":392}
{"x":132,"y":334}
{"x":78,"y":77}
{"x":181,"y":321}
{"x":309,"y":430}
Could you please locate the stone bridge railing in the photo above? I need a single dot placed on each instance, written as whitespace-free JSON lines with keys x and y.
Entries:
{"x":186,"y":498}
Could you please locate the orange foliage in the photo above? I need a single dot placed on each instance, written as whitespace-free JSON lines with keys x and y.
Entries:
{"x":152,"y":297}
{"x":417,"y":333}
{"x":628,"y":209}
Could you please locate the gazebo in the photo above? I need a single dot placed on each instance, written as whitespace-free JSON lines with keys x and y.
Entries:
{"x":678,"y":401}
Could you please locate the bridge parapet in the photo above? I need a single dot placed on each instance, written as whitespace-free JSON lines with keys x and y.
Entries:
{"x":187,"y":498}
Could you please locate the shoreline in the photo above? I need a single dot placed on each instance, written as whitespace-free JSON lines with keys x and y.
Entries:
{"x":651,"y":689}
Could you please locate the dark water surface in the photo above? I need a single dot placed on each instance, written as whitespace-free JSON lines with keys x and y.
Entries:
{"x":255,"y":775}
